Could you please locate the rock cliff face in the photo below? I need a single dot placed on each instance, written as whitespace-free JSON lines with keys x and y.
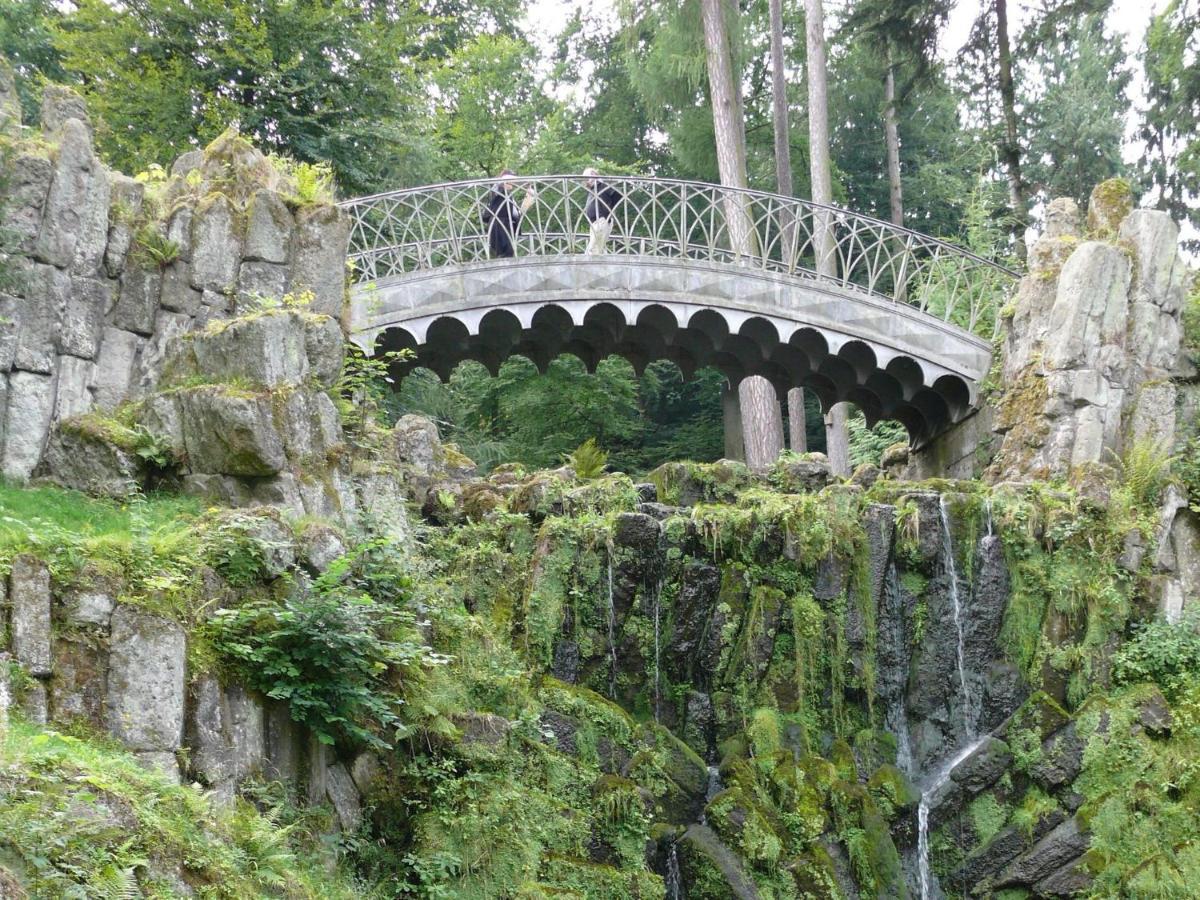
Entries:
{"x":108,"y":270}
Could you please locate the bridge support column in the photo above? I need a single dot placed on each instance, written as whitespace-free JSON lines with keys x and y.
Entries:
{"x":837,"y":445}
{"x":797,"y":427}
{"x":731,"y":415}
{"x":762,"y":422}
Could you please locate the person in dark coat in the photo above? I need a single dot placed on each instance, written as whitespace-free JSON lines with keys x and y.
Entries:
{"x":601,"y":206}
{"x":502,"y":216}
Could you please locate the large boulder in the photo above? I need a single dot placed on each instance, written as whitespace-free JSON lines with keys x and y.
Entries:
{"x":81,"y":456}
{"x":231,"y":432}
{"x":146,"y":680}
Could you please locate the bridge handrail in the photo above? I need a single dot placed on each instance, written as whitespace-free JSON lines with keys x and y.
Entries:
{"x":423,"y":228}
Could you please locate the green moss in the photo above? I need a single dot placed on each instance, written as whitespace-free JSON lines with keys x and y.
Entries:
{"x":83,"y":818}
{"x":988,"y":816}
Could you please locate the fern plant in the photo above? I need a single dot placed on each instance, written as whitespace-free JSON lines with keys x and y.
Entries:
{"x":588,"y":460}
{"x":156,"y":247}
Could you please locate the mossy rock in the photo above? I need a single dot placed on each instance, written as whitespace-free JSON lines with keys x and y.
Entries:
{"x":892,"y":791}
{"x":1110,"y":203}
{"x":689,"y":483}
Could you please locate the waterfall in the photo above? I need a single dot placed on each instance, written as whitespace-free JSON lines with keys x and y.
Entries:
{"x":612,"y":629}
{"x":987,"y":506}
{"x":929,"y":888}
{"x":674,"y":879}
{"x":714,"y":787}
{"x":951,"y":569}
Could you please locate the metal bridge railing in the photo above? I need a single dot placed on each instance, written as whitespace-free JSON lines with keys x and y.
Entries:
{"x":424,"y":228}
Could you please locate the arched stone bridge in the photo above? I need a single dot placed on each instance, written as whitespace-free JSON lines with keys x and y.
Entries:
{"x":902,"y":330}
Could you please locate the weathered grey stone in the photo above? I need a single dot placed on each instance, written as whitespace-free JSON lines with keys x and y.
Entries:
{"x":281,"y":492}
{"x":1070,"y":881}
{"x":83,"y":316}
{"x":1160,"y":274}
{"x":160,"y":416}
{"x":383,"y":505}
{"x":137,"y":304}
{"x":261,"y":280}
{"x":230,"y":433}
{"x":29,"y":605}
{"x":983,"y":767}
{"x":416,"y":443}
{"x":35,"y":704}
{"x":267,"y":349}
{"x":114,"y":367}
{"x":320,"y":545}
{"x":9,"y":330}
{"x":93,"y":226}
{"x":69,"y":217}
{"x":28,"y":185}
{"x":318,"y":256}
{"x":1152,"y":417}
{"x":1090,"y":306}
{"x":365,"y":771}
{"x":314,"y":428}
{"x":1061,"y":759}
{"x":330,"y":496}
{"x":343,"y":795}
{"x":268,"y":228}
{"x":59,"y":104}
{"x":168,"y":328}
{"x":1061,"y":846}
{"x":225,"y":732}
{"x":1154,"y":714}
{"x":179,"y":226}
{"x":92,"y":605}
{"x":325,"y":346}
{"x":128,"y":197}
{"x":1063,"y":218}
{"x":39,"y":317}
{"x":216,"y":245}
{"x":282,"y":742}
{"x":146,"y":691}
{"x":186,"y":162}
{"x":164,"y":762}
{"x":177,"y":293}
{"x":73,"y":396}
{"x":26,"y":422}
{"x":85,"y":460}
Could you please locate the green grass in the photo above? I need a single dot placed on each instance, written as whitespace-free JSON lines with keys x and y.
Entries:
{"x":26,"y":509}
{"x":82,"y":819}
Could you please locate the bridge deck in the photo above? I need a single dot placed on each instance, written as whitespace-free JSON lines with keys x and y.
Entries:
{"x":903,"y":330}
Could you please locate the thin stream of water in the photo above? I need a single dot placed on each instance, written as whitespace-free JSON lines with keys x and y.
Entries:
{"x":658,"y":587}
{"x":674,"y":879}
{"x":952,"y":578}
{"x":928,"y":882}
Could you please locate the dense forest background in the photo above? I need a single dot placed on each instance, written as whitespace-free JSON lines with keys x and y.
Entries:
{"x":392,"y":94}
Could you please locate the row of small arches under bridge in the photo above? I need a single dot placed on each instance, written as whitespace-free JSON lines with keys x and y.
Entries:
{"x":898,"y":390}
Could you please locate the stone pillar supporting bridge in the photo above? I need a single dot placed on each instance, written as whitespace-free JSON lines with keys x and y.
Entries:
{"x":903,"y":331}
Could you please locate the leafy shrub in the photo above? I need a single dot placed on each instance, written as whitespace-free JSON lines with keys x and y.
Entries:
{"x":1163,"y":652}
{"x":333,"y":653}
{"x":588,"y":460}
{"x":308,"y":183}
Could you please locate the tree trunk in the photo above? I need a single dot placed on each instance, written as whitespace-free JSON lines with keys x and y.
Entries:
{"x":729,"y":124}
{"x":762,"y":420}
{"x":784,"y":186}
{"x":797,"y":433}
{"x":779,"y":104}
{"x":731,"y":416}
{"x":837,"y":446}
{"x":891,"y":134}
{"x":1011,"y":150}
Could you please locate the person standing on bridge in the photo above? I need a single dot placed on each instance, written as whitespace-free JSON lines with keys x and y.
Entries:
{"x":602,"y":202}
{"x":502,"y":216}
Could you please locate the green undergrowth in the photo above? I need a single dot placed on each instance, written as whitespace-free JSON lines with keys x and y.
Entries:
{"x":80,"y":818}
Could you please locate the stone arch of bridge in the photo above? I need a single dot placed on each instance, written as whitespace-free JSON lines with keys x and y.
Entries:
{"x":883,"y":382}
